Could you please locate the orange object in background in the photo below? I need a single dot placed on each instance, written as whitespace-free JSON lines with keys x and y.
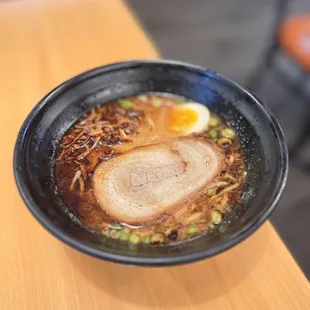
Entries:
{"x":294,"y":38}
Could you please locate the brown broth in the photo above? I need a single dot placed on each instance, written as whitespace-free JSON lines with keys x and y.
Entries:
{"x":118,"y":127}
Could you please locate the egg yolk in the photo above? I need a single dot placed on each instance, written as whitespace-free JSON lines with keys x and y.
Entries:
{"x":182,"y":119}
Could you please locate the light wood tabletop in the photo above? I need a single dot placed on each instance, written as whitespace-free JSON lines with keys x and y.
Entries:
{"x":44,"y":42}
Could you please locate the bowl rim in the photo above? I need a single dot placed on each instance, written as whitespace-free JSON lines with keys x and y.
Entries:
{"x":175,"y":259}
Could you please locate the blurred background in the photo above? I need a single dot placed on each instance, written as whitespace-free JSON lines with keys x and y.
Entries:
{"x":264,"y":45}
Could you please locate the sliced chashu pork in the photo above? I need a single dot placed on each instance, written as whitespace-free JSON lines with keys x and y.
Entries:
{"x":151,"y":181}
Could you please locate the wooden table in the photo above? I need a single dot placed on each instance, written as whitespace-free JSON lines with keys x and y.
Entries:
{"x":43,"y":43}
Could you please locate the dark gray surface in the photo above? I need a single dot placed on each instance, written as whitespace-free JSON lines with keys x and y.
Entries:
{"x":229,"y":37}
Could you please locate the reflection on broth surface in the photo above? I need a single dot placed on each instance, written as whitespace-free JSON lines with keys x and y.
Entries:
{"x":150,"y":169}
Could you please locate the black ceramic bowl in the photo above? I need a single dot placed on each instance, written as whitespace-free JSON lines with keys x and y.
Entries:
{"x":261,"y":137}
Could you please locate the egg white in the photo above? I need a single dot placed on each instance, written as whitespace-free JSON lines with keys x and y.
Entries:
{"x":203,"y":117}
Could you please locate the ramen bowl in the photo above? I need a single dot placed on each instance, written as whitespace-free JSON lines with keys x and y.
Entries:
{"x":260,"y":135}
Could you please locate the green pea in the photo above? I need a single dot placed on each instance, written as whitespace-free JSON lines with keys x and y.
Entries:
{"x":123,"y":236}
{"x":216,"y":217}
{"x":126,"y":230}
{"x":213,"y":133}
{"x":228,"y":133}
{"x":192,"y":230}
{"x":156,"y":102}
{"x":212,"y":191}
{"x":134,"y":239}
{"x":125,"y":103}
{"x":116,"y":226}
{"x":143,"y":98}
{"x":213,"y":121}
{"x":158,"y":238}
{"x":147,"y":239}
{"x":114,"y":234}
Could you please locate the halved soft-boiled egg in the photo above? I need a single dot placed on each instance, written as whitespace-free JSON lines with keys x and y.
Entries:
{"x":188,"y":118}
